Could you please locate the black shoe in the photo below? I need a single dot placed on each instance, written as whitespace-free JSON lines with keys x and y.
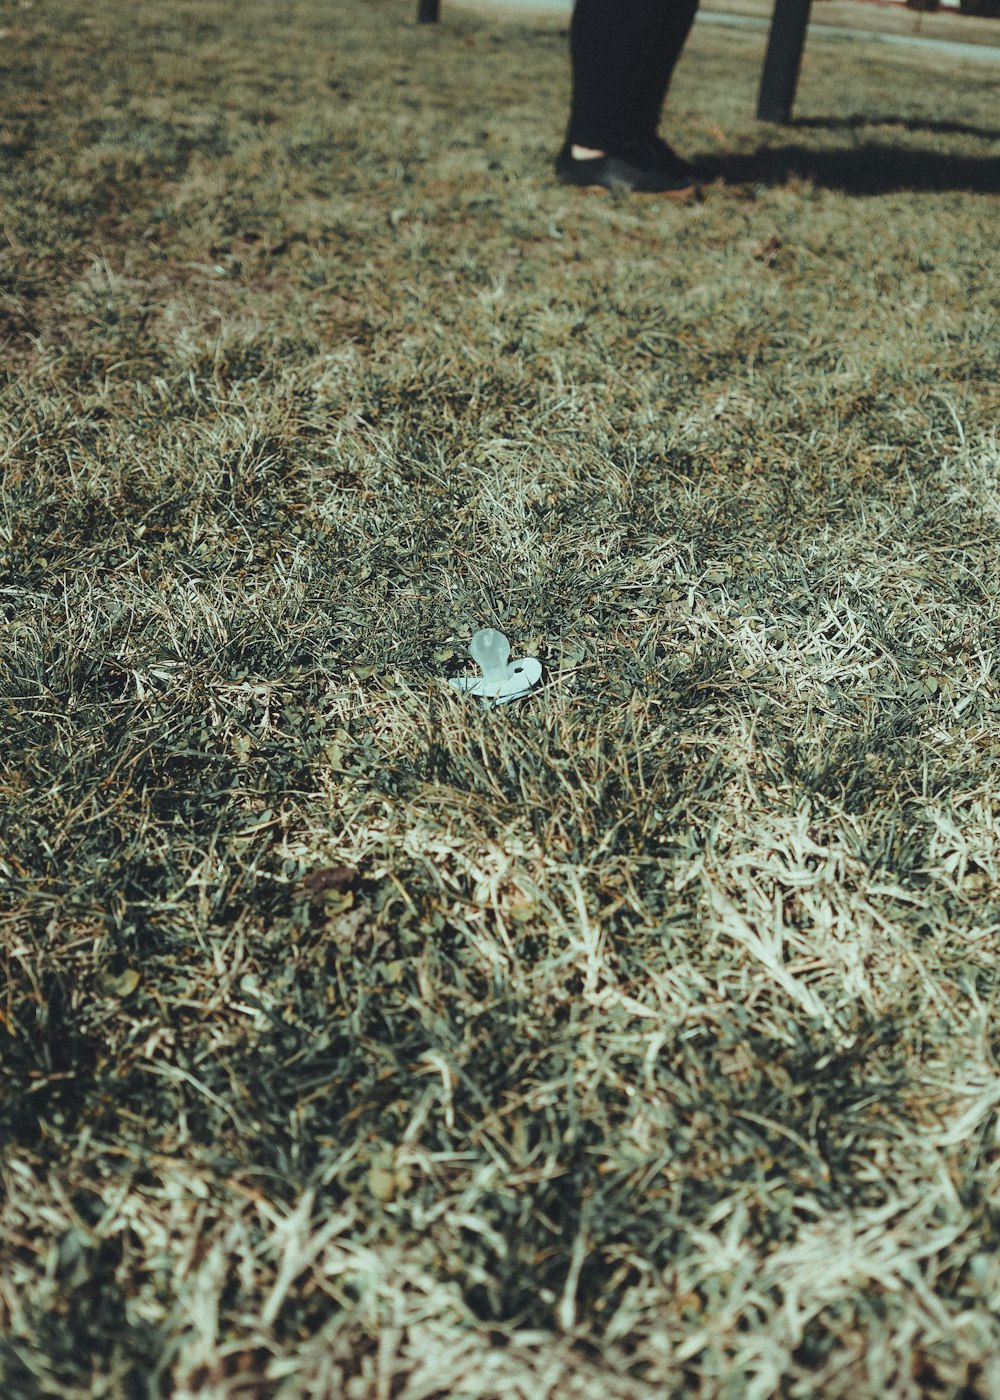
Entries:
{"x":667,"y":160}
{"x":647,"y":167}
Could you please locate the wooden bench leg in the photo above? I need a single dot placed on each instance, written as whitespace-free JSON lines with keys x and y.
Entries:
{"x":428,"y":11}
{"x":781,"y":63}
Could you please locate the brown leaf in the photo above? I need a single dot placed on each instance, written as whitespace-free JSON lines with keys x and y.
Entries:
{"x":329,"y":877}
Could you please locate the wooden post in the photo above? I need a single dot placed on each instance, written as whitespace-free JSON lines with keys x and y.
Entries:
{"x":428,"y":11}
{"x":781,"y":63}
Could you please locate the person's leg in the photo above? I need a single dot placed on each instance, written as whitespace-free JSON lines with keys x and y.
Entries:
{"x":623,"y":55}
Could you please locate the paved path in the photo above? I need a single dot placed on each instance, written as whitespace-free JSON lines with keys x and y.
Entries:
{"x":916,"y":41}
{"x":818,"y":26}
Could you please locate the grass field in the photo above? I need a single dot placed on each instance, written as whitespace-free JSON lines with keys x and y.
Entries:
{"x":637,"y":1039}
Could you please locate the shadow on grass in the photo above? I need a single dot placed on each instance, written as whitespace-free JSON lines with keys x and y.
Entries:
{"x":870,"y":169}
{"x":911,"y":123}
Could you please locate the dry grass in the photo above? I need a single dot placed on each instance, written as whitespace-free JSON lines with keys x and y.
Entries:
{"x":638,"y":1038}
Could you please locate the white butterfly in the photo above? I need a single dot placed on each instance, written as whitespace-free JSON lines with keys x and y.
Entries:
{"x":502,"y":679}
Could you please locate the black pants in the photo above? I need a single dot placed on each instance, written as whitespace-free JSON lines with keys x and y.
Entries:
{"x":623,"y":54}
